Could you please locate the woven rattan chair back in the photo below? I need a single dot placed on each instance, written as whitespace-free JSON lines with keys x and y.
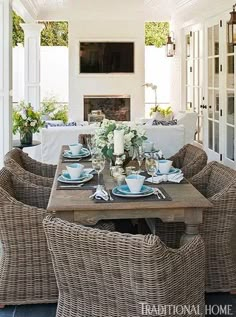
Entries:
{"x":17,"y":155}
{"x":194,"y":153}
{"x":26,"y":271}
{"x":101,"y":273}
{"x":221,"y":178}
{"x":190,"y":159}
{"x":83,"y":138}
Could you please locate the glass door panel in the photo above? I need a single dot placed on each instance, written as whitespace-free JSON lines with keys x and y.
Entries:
{"x":230,"y":143}
{"x":213,"y":96}
{"x":230,"y":108}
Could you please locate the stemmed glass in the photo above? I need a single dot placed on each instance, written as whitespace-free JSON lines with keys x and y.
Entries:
{"x":90,"y":144}
{"x":98,"y":164}
{"x":151,"y":166}
{"x":140,"y":156}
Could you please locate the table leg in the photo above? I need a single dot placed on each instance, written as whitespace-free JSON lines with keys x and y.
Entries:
{"x":192,"y":219}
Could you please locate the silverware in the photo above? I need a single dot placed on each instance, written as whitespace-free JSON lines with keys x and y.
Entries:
{"x":156,"y":193}
{"x":71,"y":186}
{"x":161,"y":193}
{"x":72,"y":160}
{"x":110,"y":197}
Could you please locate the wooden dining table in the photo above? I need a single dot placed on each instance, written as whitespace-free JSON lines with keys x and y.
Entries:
{"x":186,"y":205}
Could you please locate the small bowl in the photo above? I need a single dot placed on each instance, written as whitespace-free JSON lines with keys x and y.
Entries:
{"x":164,"y":166}
{"x":75,"y":170}
{"x":135,"y":182}
{"x":75,"y":148}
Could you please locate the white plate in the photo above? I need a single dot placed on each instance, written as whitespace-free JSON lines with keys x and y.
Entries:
{"x":116,"y":192}
{"x":62,"y":179}
{"x":173,"y":170}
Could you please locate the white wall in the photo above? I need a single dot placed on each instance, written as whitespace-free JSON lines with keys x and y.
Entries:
{"x":117,"y":21}
{"x":54,"y":73}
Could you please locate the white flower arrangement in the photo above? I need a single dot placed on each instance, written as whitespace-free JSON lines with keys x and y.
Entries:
{"x":134,"y":136}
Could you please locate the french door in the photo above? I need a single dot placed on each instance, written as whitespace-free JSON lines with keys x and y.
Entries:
{"x":194,"y":75}
{"x":219,"y":109}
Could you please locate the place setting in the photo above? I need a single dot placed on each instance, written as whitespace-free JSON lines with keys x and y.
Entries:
{"x":76,"y":153}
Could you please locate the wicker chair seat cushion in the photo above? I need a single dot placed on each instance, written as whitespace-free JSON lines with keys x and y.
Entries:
{"x":101,"y":273}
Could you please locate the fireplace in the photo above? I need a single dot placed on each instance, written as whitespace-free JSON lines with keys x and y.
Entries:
{"x":115,"y":107}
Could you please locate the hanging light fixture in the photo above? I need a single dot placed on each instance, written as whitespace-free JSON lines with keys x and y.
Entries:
{"x":232,"y":27}
{"x":170,"y":46}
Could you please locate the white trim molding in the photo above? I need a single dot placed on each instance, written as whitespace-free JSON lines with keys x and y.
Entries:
{"x":32,"y":33}
{"x":5,"y":78}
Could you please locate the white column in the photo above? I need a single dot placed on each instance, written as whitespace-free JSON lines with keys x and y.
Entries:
{"x":5,"y":78}
{"x":32,"y":32}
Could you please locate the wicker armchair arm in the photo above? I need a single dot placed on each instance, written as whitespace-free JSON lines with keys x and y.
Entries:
{"x":16,"y":169}
{"x":41,"y":169}
{"x":200,"y":180}
{"x":193,"y":167}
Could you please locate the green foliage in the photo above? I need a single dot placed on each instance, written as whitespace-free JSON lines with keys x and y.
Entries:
{"x":25,"y":119}
{"x":54,"y":111}
{"x":164,"y":111}
{"x":53,"y":34}
{"x":156,"y":33}
{"x":17,"y":32}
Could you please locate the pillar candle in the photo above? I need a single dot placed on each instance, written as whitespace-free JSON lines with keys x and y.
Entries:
{"x":118,"y":142}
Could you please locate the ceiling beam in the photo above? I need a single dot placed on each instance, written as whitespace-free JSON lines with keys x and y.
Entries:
{"x":25,"y":9}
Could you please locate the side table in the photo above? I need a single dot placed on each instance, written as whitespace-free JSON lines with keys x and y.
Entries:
{"x":17,"y":144}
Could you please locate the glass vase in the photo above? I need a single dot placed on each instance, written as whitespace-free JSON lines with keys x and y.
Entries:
{"x":26,"y":137}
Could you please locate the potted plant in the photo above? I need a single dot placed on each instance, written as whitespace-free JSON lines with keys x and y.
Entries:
{"x":52,"y":111}
{"x":160,"y":113}
{"x":26,"y":121}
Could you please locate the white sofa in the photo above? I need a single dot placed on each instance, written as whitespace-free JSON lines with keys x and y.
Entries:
{"x":169,"y":139}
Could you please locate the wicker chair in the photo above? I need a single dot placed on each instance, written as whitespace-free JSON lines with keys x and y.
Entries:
{"x":30,"y":170}
{"x":218,"y":183}
{"x":101,"y":273}
{"x":190,"y":159}
{"x":83,"y":138}
{"x":26,"y":271}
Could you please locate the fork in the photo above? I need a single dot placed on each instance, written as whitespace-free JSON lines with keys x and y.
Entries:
{"x":109,"y":194}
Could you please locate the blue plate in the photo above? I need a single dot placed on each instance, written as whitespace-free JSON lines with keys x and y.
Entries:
{"x":82,"y":179}
{"x":83,"y":153}
{"x":172,"y":170}
{"x":67,"y":177}
{"x":116,"y":192}
{"x":124,"y":189}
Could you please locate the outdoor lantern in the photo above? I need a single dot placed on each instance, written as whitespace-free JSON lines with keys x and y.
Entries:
{"x":232,"y":27}
{"x":170,"y":47}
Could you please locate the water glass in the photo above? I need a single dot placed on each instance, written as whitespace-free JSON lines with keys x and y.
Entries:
{"x":98,"y":164}
{"x":151,"y":166}
{"x":90,"y":144}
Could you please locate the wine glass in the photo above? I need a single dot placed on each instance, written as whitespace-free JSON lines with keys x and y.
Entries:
{"x":140,"y":156}
{"x":151,"y":166}
{"x":90,"y":144}
{"x":98,"y":164}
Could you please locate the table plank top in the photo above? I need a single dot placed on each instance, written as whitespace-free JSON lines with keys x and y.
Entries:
{"x":183,"y":196}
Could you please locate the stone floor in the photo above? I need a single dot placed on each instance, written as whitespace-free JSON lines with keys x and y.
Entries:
{"x":213,"y":301}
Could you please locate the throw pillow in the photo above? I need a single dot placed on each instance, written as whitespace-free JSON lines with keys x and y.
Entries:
{"x":157,"y":122}
{"x":69,"y":124}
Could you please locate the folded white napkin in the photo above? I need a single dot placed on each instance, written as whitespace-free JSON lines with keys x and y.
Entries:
{"x":88,"y":170}
{"x":100,"y":194}
{"x":175,"y":178}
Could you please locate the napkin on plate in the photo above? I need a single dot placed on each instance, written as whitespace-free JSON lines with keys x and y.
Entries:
{"x":175,"y":178}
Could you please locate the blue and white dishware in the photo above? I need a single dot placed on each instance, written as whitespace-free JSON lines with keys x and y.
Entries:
{"x":164,"y":166}
{"x":75,"y":148}
{"x":135,"y":182}
{"x":75,"y":170}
